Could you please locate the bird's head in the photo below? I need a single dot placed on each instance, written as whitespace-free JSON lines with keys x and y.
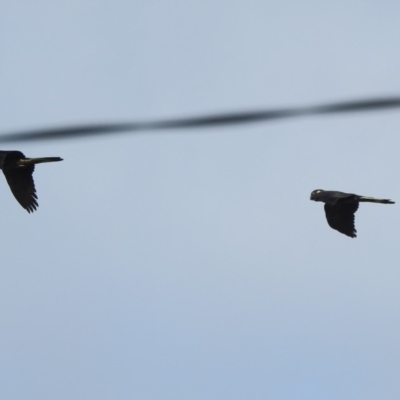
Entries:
{"x":314,"y":194}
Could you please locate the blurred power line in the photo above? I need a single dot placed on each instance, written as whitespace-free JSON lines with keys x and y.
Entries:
{"x":204,"y":121}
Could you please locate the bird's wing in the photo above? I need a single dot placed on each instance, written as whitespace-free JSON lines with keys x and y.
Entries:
{"x":22,"y":186}
{"x":341,"y":217}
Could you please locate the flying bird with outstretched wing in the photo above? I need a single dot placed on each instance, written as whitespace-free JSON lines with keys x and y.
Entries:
{"x":340,"y":208}
{"x":18,"y":171}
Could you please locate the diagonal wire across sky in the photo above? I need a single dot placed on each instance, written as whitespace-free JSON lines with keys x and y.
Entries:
{"x":205,"y":121}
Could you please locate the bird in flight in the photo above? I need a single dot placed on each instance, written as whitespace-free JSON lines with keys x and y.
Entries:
{"x":18,"y":171}
{"x":340,"y":208}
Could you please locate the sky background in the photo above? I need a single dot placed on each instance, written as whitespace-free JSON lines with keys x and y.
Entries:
{"x":191,"y":264}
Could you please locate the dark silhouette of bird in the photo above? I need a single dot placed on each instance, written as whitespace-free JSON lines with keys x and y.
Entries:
{"x":340,"y":208}
{"x":18,"y":171}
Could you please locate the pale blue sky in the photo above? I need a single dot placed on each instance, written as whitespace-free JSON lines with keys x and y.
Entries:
{"x":191,"y":264}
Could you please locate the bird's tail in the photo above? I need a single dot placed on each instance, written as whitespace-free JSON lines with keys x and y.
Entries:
{"x":374,"y":200}
{"x":31,"y":161}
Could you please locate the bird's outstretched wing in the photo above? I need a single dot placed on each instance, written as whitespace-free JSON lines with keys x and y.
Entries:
{"x":341,"y":217}
{"x":22,"y":186}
